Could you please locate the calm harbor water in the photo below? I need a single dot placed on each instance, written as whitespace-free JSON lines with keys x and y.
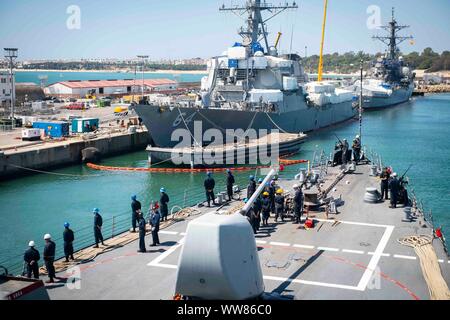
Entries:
{"x":415,"y":133}
{"x":57,"y":76}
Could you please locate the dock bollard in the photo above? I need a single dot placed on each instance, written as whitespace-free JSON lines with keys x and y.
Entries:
{"x":372,"y":195}
{"x":373,"y":171}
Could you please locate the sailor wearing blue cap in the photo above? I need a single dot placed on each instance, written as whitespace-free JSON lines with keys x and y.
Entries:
{"x":68,"y":237}
{"x":142,"y":231}
{"x":230,"y":183}
{"x":209,"y":185}
{"x":164,"y":200}
{"x":135,"y":210}
{"x":251,"y":188}
{"x":98,"y":223}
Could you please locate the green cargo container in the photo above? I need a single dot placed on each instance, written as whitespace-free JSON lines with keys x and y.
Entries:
{"x":83,"y":125}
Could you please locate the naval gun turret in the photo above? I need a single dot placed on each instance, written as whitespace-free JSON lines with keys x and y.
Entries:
{"x":219,"y":259}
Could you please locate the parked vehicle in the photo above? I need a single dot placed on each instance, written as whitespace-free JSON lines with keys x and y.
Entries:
{"x":76,"y":106}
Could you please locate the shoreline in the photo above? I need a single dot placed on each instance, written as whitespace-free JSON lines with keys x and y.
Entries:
{"x":113,"y":71}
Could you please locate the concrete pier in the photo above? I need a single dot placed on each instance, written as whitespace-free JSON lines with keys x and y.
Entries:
{"x":47,"y":155}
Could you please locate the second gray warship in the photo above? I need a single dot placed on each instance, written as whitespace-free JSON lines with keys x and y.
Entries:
{"x":251,"y":87}
{"x":390,"y":81}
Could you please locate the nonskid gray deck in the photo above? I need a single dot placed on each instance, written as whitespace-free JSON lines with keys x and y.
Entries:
{"x":359,"y":258}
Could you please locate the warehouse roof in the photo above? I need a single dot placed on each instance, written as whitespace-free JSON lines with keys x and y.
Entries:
{"x":115,"y":83}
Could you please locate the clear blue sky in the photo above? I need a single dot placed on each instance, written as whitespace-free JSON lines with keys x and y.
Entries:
{"x":185,"y":28}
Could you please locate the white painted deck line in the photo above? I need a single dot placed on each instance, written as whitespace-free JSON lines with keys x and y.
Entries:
{"x":383,"y":254}
{"x":327,"y":249}
{"x":355,"y":223}
{"x":168,"y":232}
{"x":303,"y":246}
{"x":400,"y":256}
{"x":314,"y":283}
{"x":280,"y":244}
{"x":164,"y":265}
{"x":375,"y":258}
{"x":156,"y":262}
{"x":261,"y":241}
{"x":353,"y":251}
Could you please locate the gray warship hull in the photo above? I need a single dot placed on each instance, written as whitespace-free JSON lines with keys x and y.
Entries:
{"x":161,"y":122}
{"x":398,"y":96}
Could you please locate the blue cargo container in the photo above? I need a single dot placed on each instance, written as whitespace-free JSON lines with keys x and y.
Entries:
{"x":82,"y":125}
{"x":54,"y":129}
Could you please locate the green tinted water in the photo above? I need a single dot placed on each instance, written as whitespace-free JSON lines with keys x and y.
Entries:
{"x":413,"y":133}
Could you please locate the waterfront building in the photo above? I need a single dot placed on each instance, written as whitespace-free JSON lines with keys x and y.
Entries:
{"x":77,"y":89}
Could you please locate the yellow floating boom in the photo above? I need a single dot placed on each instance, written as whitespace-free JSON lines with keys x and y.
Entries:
{"x":320,"y":72}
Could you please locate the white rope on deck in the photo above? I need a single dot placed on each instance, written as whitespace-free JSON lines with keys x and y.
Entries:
{"x":423,"y":246}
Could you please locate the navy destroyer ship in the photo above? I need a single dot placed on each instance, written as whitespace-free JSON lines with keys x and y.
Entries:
{"x":251,"y":86}
{"x":389,"y":81}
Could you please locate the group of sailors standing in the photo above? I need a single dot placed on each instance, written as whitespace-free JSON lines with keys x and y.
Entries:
{"x":271,"y":201}
{"x":343,"y":154}
{"x":390,"y":183}
{"x":395,"y":186}
{"x":31,"y":257}
{"x":157,"y":213}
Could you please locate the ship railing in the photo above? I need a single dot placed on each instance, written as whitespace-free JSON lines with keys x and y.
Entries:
{"x":416,"y":204}
{"x":320,"y":163}
{"x":6,"y":127}
{"x":427,"y":216}
{"x":249,"y":106}
{"x":116,"y":225}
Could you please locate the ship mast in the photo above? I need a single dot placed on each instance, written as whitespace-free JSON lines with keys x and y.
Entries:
{"x":393,"y":40}
{"x":256,"y":25}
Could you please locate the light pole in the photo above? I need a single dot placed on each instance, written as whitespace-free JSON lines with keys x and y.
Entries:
{"x":143,"y":65}
{"x":11,"y":55}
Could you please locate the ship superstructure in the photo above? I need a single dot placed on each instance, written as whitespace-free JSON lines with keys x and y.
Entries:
{"x":250,"y":86}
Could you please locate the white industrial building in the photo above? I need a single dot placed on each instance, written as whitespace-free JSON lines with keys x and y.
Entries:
{"x":5,"y":89}
{"x":77,"y":89}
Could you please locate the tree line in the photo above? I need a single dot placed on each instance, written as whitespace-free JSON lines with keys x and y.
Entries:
{"x":349,"y":62}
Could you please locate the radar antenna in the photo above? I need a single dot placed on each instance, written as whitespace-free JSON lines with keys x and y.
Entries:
{"x":393,"y":40}
{"x":256,"y":25}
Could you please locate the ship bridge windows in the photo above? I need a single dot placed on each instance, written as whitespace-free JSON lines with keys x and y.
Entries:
{"x":287,"y":71}
{"x":241,"y":74}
